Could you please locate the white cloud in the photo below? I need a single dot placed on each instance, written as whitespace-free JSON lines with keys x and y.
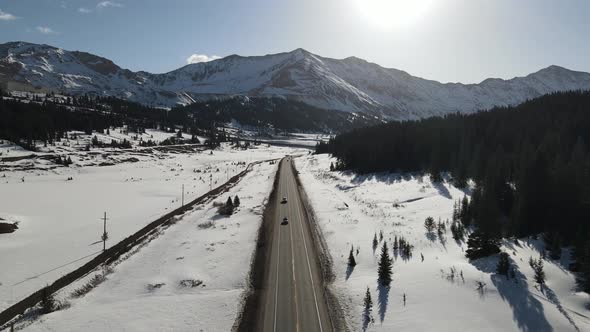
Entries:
{"x":100,"y":6}
{"x":45,"y":30}
{"x":196,"y":58}
{"x":4,"y":16}
{"x":105,"y":4}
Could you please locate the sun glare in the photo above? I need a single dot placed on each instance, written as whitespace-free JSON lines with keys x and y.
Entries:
{"x":393,"y":13}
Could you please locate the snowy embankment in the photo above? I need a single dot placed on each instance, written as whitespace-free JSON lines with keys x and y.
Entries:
{"x":190,"y":278}
{"x":442,"y":289}
{"x":59,"y":220}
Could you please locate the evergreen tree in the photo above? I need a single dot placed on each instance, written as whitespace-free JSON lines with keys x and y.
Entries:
{"x":537,"y":266}
{"x":236,"y":201}
{"x":480,"y":245}
{"x":385,"y":266}
{"x":553,"y":244}
{"x":351,"y":259}
{"x":226,"y":209}
{"x":48,"y":303}
{"x":464,"y":212}
{"x":368,"y":304}
{"x":429,"y":224}
{"x":503,"y":264}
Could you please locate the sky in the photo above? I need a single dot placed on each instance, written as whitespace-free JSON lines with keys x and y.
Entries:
{"x":445,"y":40}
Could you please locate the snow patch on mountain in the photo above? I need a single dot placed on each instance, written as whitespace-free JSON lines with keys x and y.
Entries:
{"x":351,"y":84}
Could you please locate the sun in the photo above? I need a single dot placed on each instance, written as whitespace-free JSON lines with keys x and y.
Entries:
{"x":393,"y":13}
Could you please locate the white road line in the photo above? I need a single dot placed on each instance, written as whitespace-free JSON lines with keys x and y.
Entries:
{"x":277,"y":279}
{"x":308,"y":264}
{"x":294,"y":281}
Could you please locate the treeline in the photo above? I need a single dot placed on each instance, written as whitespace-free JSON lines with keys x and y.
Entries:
{"x":278,"y":113}
{"x":48,"y":119}
{"x":530,"y":165}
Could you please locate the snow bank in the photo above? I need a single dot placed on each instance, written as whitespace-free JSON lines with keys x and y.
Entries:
{"x":441,"y":291}
{"x":59,"y":219}
{"x":190,"y":278}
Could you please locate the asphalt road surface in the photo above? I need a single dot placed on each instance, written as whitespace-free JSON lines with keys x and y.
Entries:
{"x":293,"y":298}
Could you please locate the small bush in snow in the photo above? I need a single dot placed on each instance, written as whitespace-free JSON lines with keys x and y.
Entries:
{"x":152,"y":287}
{"x":206,"y":225}
{"x":87,"y":287}
{"x":190,"y":283}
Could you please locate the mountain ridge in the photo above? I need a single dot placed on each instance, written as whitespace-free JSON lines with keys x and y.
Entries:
{"x":351,"y":84}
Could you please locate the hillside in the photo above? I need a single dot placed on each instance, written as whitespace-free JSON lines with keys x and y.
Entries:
{"x":351,"y":84}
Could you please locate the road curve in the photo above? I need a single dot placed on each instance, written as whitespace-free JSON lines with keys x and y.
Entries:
{"x":292,"y":297}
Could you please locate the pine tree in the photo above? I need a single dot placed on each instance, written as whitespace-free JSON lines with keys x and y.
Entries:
{"x":385,"y":266}
{"x":236,"y":201}
{"x":429,"y":224}
{"x":351,"y":259}
{"x":380,"y":236}
{"x":227,"y":209}
{"x":537,"y":266}
{"x":481,"y":245}
{"x":465,"y":213}
{"x":48,"y":303}
{"x":503,"y":264}
{"x":368,"y":303}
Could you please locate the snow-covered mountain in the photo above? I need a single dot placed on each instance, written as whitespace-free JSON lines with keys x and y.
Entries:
{"x":350,"y":84}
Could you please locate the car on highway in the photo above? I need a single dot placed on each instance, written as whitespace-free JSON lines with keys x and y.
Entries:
{"x":284,"y":200}
{"x":285,"y":221}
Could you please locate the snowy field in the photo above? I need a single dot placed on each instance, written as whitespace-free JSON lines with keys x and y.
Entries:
{"x":190,"y":278}
{"x":59,"y":219}
{"x":442,"y":291}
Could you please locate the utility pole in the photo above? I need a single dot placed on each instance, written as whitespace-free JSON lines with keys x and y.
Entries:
{"x":183,"y":195}
{"x":105,"y":235}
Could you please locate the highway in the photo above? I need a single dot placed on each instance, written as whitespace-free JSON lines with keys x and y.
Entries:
{"x":292,"y":297}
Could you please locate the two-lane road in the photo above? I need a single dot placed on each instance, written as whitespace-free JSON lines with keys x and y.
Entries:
{"x":293,"y":293}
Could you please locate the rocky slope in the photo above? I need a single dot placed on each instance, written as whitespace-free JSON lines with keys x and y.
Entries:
{"x":351,"y":84}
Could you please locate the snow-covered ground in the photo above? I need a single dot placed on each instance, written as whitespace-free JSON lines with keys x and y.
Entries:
{"x":351,"y":209}
{"x":60,"y":220}
{"x":190,"y":278}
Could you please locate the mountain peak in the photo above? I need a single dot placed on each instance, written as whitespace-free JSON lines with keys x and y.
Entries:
{"x":300,"y":50}
{"x":351,"y":84}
